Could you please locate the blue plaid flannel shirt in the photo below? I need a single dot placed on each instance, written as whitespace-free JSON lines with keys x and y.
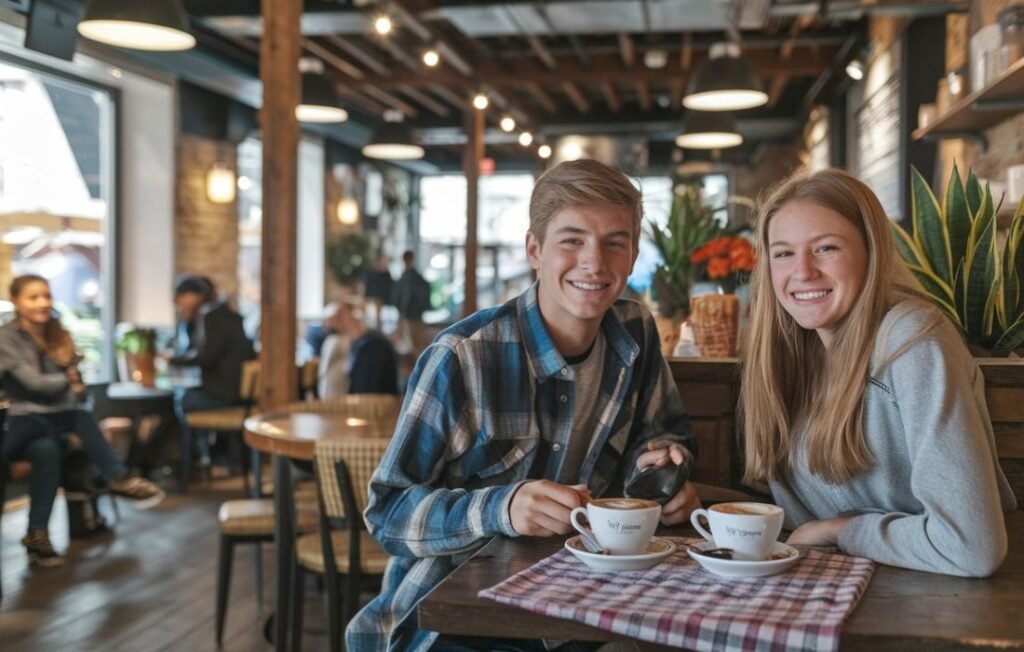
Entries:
{"x":481,"y":417}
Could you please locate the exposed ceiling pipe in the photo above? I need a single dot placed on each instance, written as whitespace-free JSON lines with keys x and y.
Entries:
{"x":856,"y":9}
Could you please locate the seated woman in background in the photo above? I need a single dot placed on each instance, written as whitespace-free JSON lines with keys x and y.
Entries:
{"x":39,"y":374}
{"x":862,"y":407}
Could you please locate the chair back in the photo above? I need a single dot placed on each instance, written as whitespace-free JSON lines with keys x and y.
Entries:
{"x":360,"y":406}
{"x":250,"y":388}
{"x":308,"y":376}
{"x":343,"y":468}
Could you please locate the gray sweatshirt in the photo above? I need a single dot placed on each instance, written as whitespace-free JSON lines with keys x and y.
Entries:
{"x":32,"y":381}
{"x":934,"y":497}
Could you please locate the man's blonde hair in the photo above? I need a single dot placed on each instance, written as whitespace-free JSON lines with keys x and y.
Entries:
{"x":582,"y":183}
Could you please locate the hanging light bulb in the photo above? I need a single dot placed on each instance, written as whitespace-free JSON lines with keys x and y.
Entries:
{"x":431,"y":58}
{"x":220,"y":184}
{"x":480,"y":101}
{"x":725,"y":82}
{"x":544,"y":151}
{"x":348,"y":211}
{"x":525,"y":139}
{"x":158,"y":25}
{"x":507,"y":123}
{"x":855,"y":69}
{"x":382,"y":24}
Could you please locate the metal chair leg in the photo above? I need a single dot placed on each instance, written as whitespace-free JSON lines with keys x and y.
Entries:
{"x":334,"y":617}
{"x":257,"y":556}
{"x":298,"y":603}
{"x":227,"y":547}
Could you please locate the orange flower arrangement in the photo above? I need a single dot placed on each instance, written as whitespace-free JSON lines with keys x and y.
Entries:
{"x":725,"y":256}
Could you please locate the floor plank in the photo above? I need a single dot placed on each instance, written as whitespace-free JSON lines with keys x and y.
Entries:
{"x":149,"y":587}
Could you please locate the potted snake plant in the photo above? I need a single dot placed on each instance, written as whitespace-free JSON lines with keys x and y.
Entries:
{"x":954,"y":252}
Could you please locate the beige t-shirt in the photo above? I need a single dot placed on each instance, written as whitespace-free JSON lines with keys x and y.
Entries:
{"x":585,"y":412}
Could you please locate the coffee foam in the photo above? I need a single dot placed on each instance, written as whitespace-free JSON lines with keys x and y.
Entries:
{"x":624,"y":503}
{"x":745,"y":509}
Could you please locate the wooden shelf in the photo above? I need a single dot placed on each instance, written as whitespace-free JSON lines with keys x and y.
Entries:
{"x":1001,"y":99}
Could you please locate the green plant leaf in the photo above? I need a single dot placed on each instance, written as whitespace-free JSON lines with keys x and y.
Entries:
{"x":958,"y":217}
{"x":930,"y":228}
{"x":937,"y":289}
{"x":973,"y":193}
{"x":908,"y":248}
{"x":1012,"y":338}
{"x":979,"y":276}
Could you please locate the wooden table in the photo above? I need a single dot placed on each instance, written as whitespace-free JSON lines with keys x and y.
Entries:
{"x":289,"y":437}
{"x":901,"y":610}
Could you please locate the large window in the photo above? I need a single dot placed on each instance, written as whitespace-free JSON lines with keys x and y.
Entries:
{"x":502,"y":269}
{"x":56,"y":201}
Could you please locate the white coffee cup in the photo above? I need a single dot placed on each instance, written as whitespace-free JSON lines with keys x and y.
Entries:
{"x":749,"y":529}
{"x":623,"y":526}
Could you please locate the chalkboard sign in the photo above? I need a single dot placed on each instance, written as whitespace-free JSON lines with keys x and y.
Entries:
{"x":876,"y":134}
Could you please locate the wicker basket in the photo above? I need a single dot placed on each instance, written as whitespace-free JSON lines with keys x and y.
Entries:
{"x":715,"y":319}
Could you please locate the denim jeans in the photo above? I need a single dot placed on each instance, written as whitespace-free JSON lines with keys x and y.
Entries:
{"x":39,"y":438}
{"x":195,"y":400}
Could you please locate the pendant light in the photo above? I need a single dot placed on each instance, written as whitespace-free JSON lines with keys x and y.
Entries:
{"x":159,"y":25}
{"x":725,"y":82}
{"x":319,"y":98}
{"x":709,"y":130}
{"x":391,"y":140}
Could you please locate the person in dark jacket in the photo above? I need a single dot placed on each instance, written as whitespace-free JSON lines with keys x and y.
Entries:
{"x":39,"y":375}
{"x":367,"y":365}
{"x":412,"y":297}
{"x":217,"y":345}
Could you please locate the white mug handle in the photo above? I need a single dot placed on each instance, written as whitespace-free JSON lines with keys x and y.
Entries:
{"x":576,"y":524}
{"x":695,"y":522}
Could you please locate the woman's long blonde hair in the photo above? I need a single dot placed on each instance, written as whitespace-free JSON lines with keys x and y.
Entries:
{"x":788,"y":377}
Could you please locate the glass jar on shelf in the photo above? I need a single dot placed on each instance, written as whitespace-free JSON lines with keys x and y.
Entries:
{"x":1011,"y":27}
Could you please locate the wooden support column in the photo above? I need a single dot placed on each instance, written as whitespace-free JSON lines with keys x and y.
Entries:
{"x":471,"y":168}
{"x":279,"y":72}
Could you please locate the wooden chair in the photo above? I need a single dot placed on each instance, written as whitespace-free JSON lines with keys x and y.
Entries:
{"x":342,"y":551}
{"x":252,"y":521}
{"x":227,"y":419}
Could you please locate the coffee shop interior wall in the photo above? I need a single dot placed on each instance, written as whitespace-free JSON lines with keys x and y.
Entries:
{"x":206,"y":233}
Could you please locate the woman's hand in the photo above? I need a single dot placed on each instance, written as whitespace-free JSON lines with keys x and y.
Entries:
{"x":73,"y":375}
{"x":818,"y":533}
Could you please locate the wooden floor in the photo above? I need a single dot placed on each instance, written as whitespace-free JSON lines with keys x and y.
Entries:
{"x":150,"y":586}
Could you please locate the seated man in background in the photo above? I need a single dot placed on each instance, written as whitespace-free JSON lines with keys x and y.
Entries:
{"x":217,"y":344}
{"x":520,"y":413}
{"x":356,"y":359}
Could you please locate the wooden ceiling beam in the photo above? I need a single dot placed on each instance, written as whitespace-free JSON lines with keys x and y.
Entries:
{"x":448,"y":95}
{"x":357,"y":99}
{"x":407,"y":110}
{"x":803,"y":63}
{"x":542,"y":98}
{"x":675,"y":92}
{"x":627,"y":49}
{"x":425,"y":100}
{"x":686,"y":52}
{"x":610,"y":97}
{"x":779,"y":80}
{"x":643,"y":95}
{"x":401,"y":56}
{"x":333,"y":59}
{"x":576,"y":97}
{"x":359,"y":54}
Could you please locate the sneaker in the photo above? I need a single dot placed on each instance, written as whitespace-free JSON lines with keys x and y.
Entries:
{"x":40,"y":550}
{"x":142,"y":492}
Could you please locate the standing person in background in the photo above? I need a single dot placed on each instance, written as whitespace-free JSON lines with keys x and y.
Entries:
{"x":217,"y":345}
{"x":412,"y":297}
{"x":378,"y":287}
{"x":356,"y":359}
{"x":39,"y":375}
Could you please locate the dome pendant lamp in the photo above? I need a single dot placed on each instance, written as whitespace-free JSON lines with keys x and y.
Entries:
{"x":709,"y":130}
{"x":391,"y":140}
{"x":157,"y":25}
{"x":725,"y":82}
{"x":319,"y":98}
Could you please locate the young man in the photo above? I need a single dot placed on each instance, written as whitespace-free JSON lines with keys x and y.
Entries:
{"x":518,"y":414}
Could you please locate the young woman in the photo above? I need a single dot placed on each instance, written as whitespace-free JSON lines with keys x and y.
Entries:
{"x":39,"y":374}
{"x":862,"y":407}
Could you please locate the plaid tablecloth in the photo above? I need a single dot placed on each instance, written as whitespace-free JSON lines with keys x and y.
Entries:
{"x":678,"y":603}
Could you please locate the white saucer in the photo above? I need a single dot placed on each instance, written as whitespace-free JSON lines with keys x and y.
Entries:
{"x":737,"y":568}
{"x":657,"y":550}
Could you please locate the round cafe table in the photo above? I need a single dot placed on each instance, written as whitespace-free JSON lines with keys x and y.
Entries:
{"x":288,"y":437}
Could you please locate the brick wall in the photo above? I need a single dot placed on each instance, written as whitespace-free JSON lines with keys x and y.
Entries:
{"x":206,"y":234}
{"x":6,"y":275}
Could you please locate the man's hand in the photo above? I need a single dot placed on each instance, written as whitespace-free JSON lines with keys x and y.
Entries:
{"x":818,"y":533}
{"x":541,"y":508}
{"x":660,"y":453}
{"x":678,"y":509}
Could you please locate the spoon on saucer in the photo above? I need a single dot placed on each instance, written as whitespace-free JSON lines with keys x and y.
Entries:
{"x":591,"y":544}
{"x":717,"y":553}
